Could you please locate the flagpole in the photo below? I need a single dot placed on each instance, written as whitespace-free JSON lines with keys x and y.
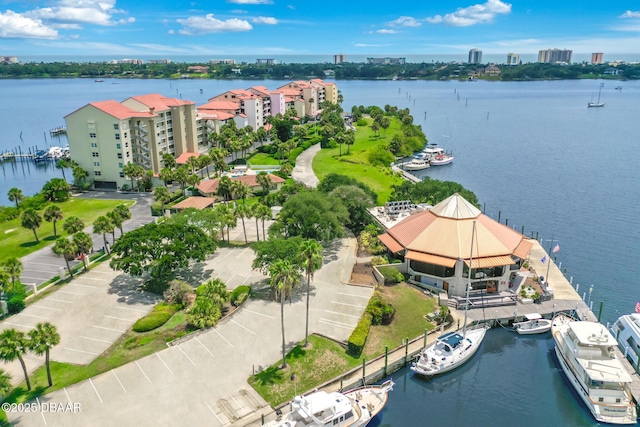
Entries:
{"x":549,"y":256}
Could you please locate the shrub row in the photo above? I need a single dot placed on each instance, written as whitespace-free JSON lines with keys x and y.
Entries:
{"x":358,"y":338}
{"x":240,"y":294}
{"x":391,"y":275}
{"x":160,"y":314}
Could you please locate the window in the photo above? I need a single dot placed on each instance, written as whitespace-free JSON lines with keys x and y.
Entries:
{"x":95,"y":154}
{"x":121,"y":174}
{"x":92,"y":135}
{"x":97,"y":173}
{"x":116,"y":126}
{"x":601,"y":399}
{"x":117,"y":136}
{"x":126,"y":145}
{"x":128,"y":154}
{"x":118,"y":146}
{"x":620,"y":325}
{"x":125,"y":135}
{"x":96,"y":163}
{"x":119,"y":155}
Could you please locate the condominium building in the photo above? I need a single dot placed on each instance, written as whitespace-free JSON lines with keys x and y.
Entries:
{"x":387,"y":61}
{"x":596,"y":58}
{"x":159,"y":61}
{"x":8,"y":59}
{"x":266,"y":61}
{"x":339,"y":58}
{"x":513,"y":59}
{"x":222,"y":61}
{"x":475,"y":56}
{"x":552,"y":56}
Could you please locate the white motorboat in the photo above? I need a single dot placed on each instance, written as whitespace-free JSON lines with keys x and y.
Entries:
{"x":627,"y":332}
{"x":431,"y":151}
{"x":416,"y":164}
{"x":534,"y":324}
{"x":442,"y":159}
{"x":453,"y":349}
{"x":586,"y":354}
{"x":354,"y":408}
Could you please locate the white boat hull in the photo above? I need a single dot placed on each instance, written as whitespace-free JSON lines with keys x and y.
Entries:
{"x":431,"y":363}
{"x":441,"y":162}
{"x":533,"y":327}
{"x":415,"y":167}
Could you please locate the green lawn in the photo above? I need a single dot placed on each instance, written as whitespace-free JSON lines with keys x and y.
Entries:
{"x":263,"y":159}
{"x":16,"y":241}
{"x":356,"y":164}
{"x":324,"y":360}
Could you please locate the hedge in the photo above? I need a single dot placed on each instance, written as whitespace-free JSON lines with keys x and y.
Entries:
{"x":358,"y":338}
{"x":160,"y":314}
{"x":16,"y":304}
{"x":240,"y":294}
{"x":391,"y":275}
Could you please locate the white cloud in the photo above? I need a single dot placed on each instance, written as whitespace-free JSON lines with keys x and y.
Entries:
{"x":630,"y":14}
{"x":290,"y":6}
{"x":265,"y":20}
{"x":405,"y":21}
{"x":476,"y":14}
{"x":371,"y":45}
{"x":250,"y":1}
{"x":16,"y":25}
{"x":96,"y":12}
{"x":197,"y":25}
{"x":386,"y":31}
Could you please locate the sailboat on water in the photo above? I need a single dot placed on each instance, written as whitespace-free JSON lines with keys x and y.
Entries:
{"x":453,"y":349}
{"x":598,"y":103}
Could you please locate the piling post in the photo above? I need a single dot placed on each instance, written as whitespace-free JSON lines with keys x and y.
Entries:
{"x":577,"y":287}
{"x":499,"y":213}
{"x":406,"y":350}
{"x":424,"y":340}
{"x":571,"y":280}
{"x":554,"y":311}
{"x":341,"y":378}
{"x":515,"y":315}
{"x":386,"y":358}
{"x":536,"y":235}
{"x":600,"y":311}
{"x":364,"y":365}
{"x":522,"y":232}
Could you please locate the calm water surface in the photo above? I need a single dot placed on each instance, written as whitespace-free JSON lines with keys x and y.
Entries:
{"x":531,"y":151}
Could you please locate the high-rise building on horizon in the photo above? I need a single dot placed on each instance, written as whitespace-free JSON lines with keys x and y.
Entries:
{"x":475,"y":56}
{"x":596,"y":58}
{"x":513,"y":59}
{"x":339,"y":58}
{"x":552,"y":56}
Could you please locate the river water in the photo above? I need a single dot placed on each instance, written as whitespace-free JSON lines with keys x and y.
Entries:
{"x":532,"y":152}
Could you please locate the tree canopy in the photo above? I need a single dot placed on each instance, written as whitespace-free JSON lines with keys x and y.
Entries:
{"x":430,"y":191}
{"x":274,"y":249}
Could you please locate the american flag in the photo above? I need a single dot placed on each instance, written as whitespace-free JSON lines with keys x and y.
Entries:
{"x":638,"y":307}
{"x":556,"y":248}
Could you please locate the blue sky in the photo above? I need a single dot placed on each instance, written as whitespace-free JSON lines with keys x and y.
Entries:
{"x":165,"y":28}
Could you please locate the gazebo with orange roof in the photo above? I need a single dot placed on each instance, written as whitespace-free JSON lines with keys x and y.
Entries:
{"x":436,"y":247}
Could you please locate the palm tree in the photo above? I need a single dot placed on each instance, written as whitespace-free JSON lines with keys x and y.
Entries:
{"x":161,"y":194}
{"x":31,"y":220}
{"x":73,"y":224}
{"x":242,"y":211}
{"x":283,"y":277}
{"x":263,"y":212}
{"x":181,"y":176}
{"x":129,"y":171}
{"x":53,"y":214}
{"x":168,"y":161}
{"x":117,"y":221}
{"x":240,"y":190}
{"x":217,"y":157}
{"x":224,"y":188}
{"x":79,"y":174}
{"x":311,"y":257}
{"x":204,"y":161}
{"x":43,"y":338}
{"x":350,"y":138}
{"x":192,"y":163}
{"x":67,"y":249}
{"x":227,"y":219}
{"x":120,"y":214}
{"x":62,"y":164}
{"x":15,"y":195}
{"x":84,"y":243}
{"x":103,"y":225}
{"x":193,"y":180}
{"x":5,"y":383}
{"x":165,"y":175}
{"x":253,"y":211}
{"x":14,"y":344}
{"x":265,"y":182}
{"x":13,"y":267}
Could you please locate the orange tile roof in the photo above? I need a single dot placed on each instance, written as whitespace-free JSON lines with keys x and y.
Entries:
{"x":182,"y":159}
{"x":160,"y":102}
{"x":197,"y":202}
{"x":215,"y":115}
{"x":209,"y":186}
{"x":118,"y":110}
{"x":390,"y":243}
{"x":220,"y":105}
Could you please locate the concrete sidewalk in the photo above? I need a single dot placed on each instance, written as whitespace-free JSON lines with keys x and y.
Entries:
{"x":303,"y":171}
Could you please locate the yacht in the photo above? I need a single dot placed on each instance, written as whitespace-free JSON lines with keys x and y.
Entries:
{"x":627,"y":332}
{"x":354,"y":408}
{"x":586,"y":354}
{"x":442,"y":159}
{"x":416,"y":164}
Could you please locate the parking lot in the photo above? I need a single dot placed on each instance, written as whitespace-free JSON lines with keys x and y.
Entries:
{"x":203,"y":380}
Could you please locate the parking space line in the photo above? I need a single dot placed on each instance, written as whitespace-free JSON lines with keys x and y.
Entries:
{"x":245,"y":279}
{"x":60,"y":300}
{"x":255,"y":312}
{"x":228,"y":253}
{"x":82,"y":286}
{"x":47,"y":308}
{"x":69,"y":292}
{"x":164,"y":363}
{"x":229,"y":281}
{"x":46,"y":263}
{"x":214,"y":330}
{"x":213,"y":412}
{"x":118,"y":379}
{"x":82,"y":351}
{"x":32,"y":315}
{"x":185,"y":355}
{"x":41,"y":412}
{"x":95,"y":339}
{"x":354,"y":295}
{"x":118,"y":318}
{"x":246,"y":329}
{"x":205,"y":347}
{"x":24,"y":279}
{"x":94,"y":278}
{"x":145,"y":375}
{"x":65,"y":392}
{"x":217,"y":275}
{"x":350,"y":305}
{"x":341,"y":314}
{"x":17,"y":324}
{"x":96,"y":390}
{"x":336,"y":324}
{"x":133,"y":309}
{"x":109,"y":329}
{"x":237,"y":403}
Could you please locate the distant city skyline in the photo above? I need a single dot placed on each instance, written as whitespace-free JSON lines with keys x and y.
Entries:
{"x":266,"y":28}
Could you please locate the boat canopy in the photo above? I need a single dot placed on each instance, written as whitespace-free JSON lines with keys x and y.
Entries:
{"x":452,"y":338}
{"x":533,"y":316}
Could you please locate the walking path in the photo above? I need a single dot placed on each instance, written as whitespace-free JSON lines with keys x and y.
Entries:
{"x":303,"y":171}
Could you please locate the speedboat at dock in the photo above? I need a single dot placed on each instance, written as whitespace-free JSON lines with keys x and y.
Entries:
{"x":534,"y":324}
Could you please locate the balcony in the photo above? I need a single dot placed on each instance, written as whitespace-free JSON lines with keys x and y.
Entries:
{"x":142,"y":130}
